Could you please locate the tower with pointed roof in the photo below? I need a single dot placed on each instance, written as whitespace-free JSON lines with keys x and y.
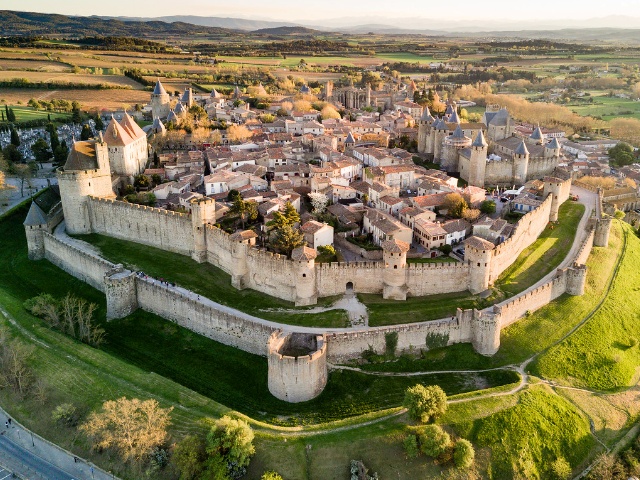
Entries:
{"x":478,"y":161}
{"x":520,"y":163}
{"x":86,"y":173}
{"x":424,"y":125}
{"x":128,"y":149}
{"x":160,"y":101}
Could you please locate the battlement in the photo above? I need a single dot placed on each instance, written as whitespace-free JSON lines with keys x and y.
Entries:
{"x":137,"y":206}
{"x":79,"y":252}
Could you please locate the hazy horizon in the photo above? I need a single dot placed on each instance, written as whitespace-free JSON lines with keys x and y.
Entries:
{"x":507,"y":14}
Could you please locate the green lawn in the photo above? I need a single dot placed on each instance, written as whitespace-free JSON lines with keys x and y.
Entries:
{"x":24,"y":114}
{"x":416,"y":309}
{"x":442,"y":259}
{"x":211,"y":282}
{"x":545,"y":254}
{"x":603,"y":354}
{"x":531,"y":334}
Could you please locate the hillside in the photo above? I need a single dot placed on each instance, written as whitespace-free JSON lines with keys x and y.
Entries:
{"x":288,"y":31}
{"x":14,"y":23}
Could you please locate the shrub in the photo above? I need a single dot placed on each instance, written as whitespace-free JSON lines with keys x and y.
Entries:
{"x":633,"y":341}
{"x":436,"y":340}
{"x":391,"y":342}
{"x":271,"y":476}
{"x":446,"y":249}
{"x":65,"y":414}
{"x":560,"y":469}
{"x":488,"y":207}
{"x":360,"y":472}
{"x":434,"y":441}
{"x":411,"y":448}
{"x":463,"y":454}
{"x":425,"y":403}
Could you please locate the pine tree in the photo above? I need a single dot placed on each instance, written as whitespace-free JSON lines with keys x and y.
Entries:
{"x":15,"y":138}
{"x":11,"y":116}
{"x":86,"y":132}
{"x":99,"y":123}
{"x":287,"y":238}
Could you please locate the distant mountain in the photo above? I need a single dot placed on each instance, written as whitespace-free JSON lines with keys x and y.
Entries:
{"x":288,"y":31}
{"x":28,"y":23}
{"x":218,"y":22}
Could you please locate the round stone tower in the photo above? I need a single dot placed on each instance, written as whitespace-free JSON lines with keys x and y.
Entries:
{"x":520,"y":163}
{"x":160,"y":101}
{"x":394,"y":257}
{"x":297,"y":365}
{"x":478,"y":253}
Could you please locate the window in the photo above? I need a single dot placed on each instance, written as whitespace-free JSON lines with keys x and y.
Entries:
{"x":478,"y":263}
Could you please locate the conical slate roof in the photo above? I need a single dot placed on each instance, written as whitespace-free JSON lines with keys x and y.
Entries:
{"x":440,"y":125}
{"x":479,"y":140}
{"x":180,"y":108}
{"x":450,"y":109}
{"x":350,"y":139}
{"x":500,"y":118}
{"x":35,"y":216}
{"x":521,"y":149}
{"x":426,"y":114}
{"x":454,"y":118}
{"x":554,"y":144}
{"x":158,"y":126}
{"x":537,"y":135}
{"x":159,"y":89}
{"x":187,"y":96}
{"x":215,"y":94}
{"x":172,"y":117}
{"x":458,"y":133}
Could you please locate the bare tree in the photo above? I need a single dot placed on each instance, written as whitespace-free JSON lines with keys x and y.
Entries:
{"x":14,"y":369}
{"x":132,"y":427}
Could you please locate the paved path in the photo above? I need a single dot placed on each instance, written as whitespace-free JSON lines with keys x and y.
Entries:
{"x":35,"y":458}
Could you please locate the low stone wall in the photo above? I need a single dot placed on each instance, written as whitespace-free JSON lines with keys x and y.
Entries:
{"x":365,"y":254}
{"x":82,"y":265}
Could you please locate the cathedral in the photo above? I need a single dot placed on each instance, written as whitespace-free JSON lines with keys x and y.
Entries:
{"x":486,"y":153}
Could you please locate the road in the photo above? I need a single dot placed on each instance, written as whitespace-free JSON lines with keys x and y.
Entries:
{"x":27,"y":464}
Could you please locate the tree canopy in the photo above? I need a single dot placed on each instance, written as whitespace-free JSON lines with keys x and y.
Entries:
{"x":425,"y":403}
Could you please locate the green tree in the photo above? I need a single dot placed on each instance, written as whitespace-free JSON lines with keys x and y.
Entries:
{"x":291,"y":214}
{"x":12,"y":155}
{"x":232,"y":439}
{"x":141,"y":181}
{"x":53,"y":135}
{"x":425,"y":403}
{"x":11,"y":116}
{"x":287,"y":238}
{"x":233,"y":195}
{"x":15,"y":138}
{"x":488,"y":207}
{"x":61,"y":153}
{"x":189,"y":456}
{"x":99,"y":123}
{"x":463,"y":454}
{"x":40,"y":150}
{"x":621,"y":154}
{"x":86,"y":133}
{"x":246,"y":210}
{"x":76,"y":115}
{"x":455,"y":205}
{"x":411,"y":448}
{"x":434,"y":441}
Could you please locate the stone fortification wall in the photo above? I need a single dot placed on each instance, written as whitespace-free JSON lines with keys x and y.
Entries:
{"x":539,"y":167}
{"x":82,"y":265}
{"x":342,"y":242}
{"x":499,"y":172}
{"x":585,"y":248}
{"x":234,"y":330}
{"x":433,"y":278}
{"x":344,"y":346}
{"x":527,"y":230}
{"x":366,"y":277}
{"x":138,"y":223}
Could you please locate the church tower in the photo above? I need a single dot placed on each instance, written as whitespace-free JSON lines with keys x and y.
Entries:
{"x":478,"y":161}
{"x":424,"y":125}
{"x":160,"y":101}
{"x":441,"y":131}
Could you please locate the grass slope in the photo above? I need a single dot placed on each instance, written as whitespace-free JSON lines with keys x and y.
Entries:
{"x":210,"y":282}
{"x":24,"y":114}
{"x":543,"y":255}
{"x":603,"y":354}
{"x":527,"y":437}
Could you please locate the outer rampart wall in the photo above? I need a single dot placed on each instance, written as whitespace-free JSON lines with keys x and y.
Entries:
{"x":499,"y":172}
{"x":82,"y":265}
{"x":190,"y":313}
{"x":527,"y":230}
{"x":585,"y":249}
{"x":138,"y":223}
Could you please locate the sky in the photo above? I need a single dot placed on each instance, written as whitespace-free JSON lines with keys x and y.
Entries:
{"x":344,"y":12}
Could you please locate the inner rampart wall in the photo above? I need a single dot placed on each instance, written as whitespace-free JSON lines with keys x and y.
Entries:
{"x":138,"y":223}
{"x":527,"y":230}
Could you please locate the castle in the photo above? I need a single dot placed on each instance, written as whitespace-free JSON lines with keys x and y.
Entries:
{"x":352,"y":97}
{"x":464,"y":148}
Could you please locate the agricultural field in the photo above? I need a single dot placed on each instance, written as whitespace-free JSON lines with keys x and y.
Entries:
{"x":35,"y":77}
{"x":608,"y":107}
{"x":89,"y":99}
{"x":43,"y":65}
